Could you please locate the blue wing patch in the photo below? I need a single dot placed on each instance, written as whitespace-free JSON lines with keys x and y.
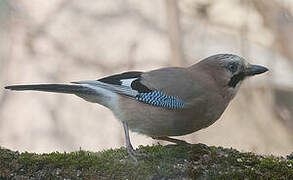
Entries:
{"x":157,"y":98}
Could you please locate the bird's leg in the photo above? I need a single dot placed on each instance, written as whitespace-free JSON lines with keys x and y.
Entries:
{"x":173,"y":140}
{"x":131,"y":152}
{"x":129,"y":147}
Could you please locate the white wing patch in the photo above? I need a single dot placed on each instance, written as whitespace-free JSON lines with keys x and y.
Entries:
{"x":127,"y":82}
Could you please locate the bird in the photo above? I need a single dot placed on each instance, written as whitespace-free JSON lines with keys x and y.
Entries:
{"x":170,"y":101}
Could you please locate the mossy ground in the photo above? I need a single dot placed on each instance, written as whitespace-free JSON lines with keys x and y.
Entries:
{"x":163,"y":162}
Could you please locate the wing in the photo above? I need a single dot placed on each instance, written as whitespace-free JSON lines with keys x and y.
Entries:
{"x":123,"y":84}
{"x":173,"y":82}
{"x":134,"y":84}
{"x":130,"y":79}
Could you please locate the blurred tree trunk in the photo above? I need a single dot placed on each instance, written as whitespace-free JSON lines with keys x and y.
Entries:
{"x":278,"y":18}
{"x":174,"y":32}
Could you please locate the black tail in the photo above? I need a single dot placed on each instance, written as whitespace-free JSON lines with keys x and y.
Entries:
{"x":60,"y":88}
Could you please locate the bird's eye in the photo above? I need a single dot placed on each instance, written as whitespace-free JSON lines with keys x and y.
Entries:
{"x":232,"y":67}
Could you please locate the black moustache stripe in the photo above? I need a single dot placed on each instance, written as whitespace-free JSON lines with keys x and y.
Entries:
{"x":236,"y":79}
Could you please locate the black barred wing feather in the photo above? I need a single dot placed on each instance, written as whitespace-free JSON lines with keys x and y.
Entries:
{"x":157,"y":98}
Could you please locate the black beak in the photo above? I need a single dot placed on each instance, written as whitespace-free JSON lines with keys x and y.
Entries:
{"x":252,"y":70}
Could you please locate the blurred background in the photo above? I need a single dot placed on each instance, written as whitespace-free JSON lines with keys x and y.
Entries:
{"x":67,"y":40}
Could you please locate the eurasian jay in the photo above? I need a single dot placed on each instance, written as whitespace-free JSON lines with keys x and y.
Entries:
{"x":165,"y":102}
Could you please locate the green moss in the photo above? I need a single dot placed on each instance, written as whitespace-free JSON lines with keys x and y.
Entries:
{"x":162,"y":162}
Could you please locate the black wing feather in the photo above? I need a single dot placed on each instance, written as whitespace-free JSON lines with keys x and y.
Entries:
{"x":141,"y":88}
{"x":116,"y":78}
{"x":135,"y":85}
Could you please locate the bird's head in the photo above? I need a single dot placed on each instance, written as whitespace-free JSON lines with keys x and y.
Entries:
{"x":230,"y":70}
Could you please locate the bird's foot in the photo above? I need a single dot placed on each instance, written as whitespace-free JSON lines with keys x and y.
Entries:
{"x":140,"y":152}
{"x":134,"y":153}
{"x":131,"y":153}
{"x":173,"y":140}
